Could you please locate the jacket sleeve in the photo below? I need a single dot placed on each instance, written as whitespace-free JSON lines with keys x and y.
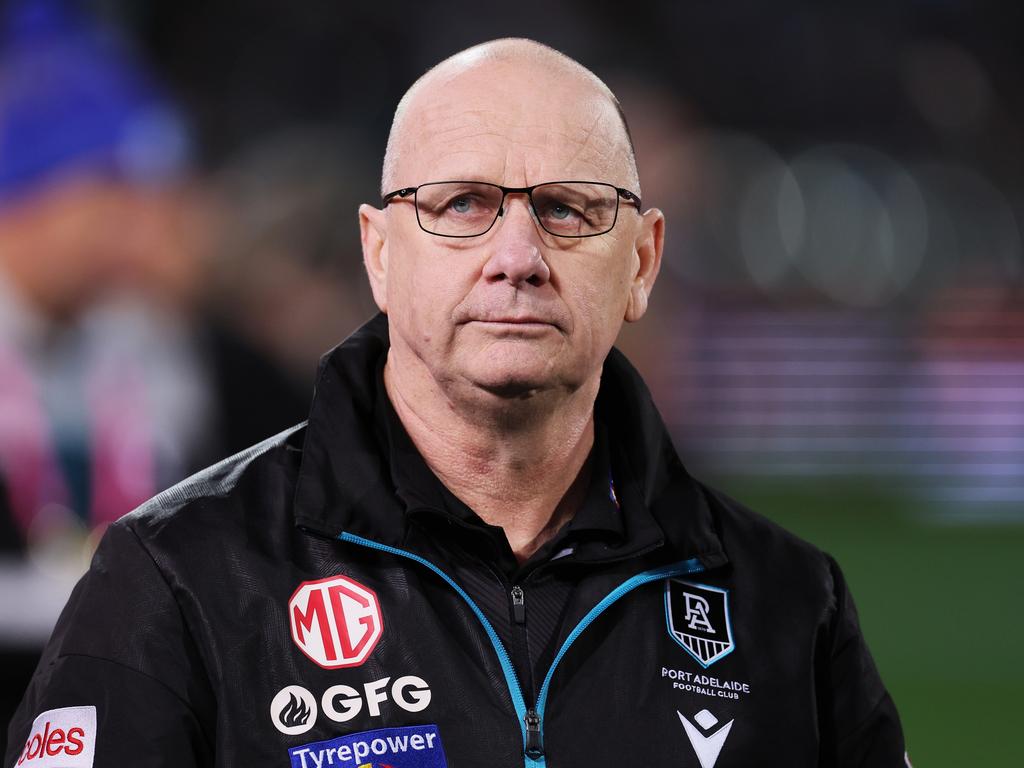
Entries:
{"x":120,"y":681}
{"x":859,"y":723}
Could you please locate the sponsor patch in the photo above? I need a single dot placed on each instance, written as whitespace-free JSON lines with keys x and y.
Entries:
{"x":413,"y":746}
{"x":61,"y":738}
{"x":698,"y":619}
{"x":293,"y":710}
{"x":336,"y":622}
{"x":706,"y":739}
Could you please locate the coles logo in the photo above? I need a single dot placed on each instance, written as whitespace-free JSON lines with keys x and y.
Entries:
{"x":336,"y":621}
{"x":61,"y":738}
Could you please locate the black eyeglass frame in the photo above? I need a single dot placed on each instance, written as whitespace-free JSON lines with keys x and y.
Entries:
{"x":625,"y":194}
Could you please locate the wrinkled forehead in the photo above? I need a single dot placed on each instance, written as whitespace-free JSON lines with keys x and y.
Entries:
{"x":513,"y":123}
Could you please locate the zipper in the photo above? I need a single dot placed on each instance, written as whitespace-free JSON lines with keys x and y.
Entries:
{"x":534,"y":740}
{"x":693,"y":565}
{"x":519,"y":620}
{"x":532,"y":719}
{"x":518,"y":605}
{"x":506,"y":663}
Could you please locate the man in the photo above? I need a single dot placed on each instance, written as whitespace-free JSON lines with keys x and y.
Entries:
{"x":481,"y":550}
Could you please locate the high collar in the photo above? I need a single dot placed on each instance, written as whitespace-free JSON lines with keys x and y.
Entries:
{"x":345,"y":483}
{"x":421,"y":490}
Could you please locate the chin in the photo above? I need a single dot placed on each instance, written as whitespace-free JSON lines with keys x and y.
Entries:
{"x":517,"y":370}
{"x":519,"y":381}
{"x":510,"y":384}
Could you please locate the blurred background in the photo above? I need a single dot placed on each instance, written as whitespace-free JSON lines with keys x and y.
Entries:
{"x":836,"y":339}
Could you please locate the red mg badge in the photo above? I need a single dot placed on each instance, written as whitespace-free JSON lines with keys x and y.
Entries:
{"x":336,"y":621}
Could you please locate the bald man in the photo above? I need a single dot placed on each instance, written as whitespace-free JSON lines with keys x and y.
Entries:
{"x":481,"y":549}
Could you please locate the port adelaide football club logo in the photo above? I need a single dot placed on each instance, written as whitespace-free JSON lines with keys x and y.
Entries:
{"x":698,"y":619}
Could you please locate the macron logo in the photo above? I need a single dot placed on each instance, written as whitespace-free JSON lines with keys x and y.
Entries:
{"x":707,"y":745}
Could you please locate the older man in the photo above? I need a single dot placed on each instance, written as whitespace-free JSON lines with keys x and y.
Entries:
{"x":482,"y":549}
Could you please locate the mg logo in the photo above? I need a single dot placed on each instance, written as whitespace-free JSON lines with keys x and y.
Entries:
{"x":336,"y":621}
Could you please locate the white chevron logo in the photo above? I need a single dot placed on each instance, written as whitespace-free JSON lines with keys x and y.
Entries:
{"x":707,"y":747}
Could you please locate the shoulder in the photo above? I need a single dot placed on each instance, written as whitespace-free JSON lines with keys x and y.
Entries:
{"x":261,"y":462}
{"x":763,"y":550}
{"x":251,"y":490}
{"x":200,"y":540}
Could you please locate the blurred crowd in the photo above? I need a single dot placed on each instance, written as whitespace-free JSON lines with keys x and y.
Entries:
{"x":178,"y":239}
{"x":145,"y":329}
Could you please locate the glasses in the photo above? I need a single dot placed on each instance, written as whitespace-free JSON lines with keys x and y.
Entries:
{"x":470,"y":208}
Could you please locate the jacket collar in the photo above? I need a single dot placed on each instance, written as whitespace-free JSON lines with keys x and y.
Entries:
{"x":345,"y":484}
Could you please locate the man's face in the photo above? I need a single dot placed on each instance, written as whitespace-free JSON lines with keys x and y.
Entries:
{"x":514,"y":311}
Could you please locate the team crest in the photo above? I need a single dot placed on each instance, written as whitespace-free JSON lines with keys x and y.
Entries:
{"x":698,"y":619}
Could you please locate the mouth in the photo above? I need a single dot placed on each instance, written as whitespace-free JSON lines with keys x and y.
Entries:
{"x":515,"y":324}
{"x":515,"y":320}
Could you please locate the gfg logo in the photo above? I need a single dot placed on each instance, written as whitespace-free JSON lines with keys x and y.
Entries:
{"x":336,"y":621}
{"x":294,"y":709}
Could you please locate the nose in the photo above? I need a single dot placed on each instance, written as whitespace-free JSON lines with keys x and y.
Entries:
{"x":516,"y":255}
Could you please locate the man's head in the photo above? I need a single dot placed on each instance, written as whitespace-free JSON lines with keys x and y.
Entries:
{"x":515,"y":312}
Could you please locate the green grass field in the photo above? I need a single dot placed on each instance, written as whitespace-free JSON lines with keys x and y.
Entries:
{"x":942,"y":607}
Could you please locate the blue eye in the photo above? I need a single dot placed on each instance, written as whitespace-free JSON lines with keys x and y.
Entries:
{"x":560,"y":212}
{"x":461,"y":205}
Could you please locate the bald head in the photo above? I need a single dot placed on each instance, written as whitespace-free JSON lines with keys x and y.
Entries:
{"x":510,"y":324}
{"x":515,"y":75}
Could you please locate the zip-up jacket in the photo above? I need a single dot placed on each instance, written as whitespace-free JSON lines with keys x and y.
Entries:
{"x":284,"y":608}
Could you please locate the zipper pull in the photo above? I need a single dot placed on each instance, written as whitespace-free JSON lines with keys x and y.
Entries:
{"x":518,"y":605}
{"x":534,"y":741}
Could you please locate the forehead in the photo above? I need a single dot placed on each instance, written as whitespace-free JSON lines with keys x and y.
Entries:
{"x":513,"y":123}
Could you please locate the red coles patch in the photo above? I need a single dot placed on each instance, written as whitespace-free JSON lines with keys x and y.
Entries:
{"x":336,"y":621}
{"x":61,"y":738}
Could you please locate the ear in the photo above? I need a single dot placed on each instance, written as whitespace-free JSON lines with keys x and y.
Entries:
{"x":648,"y":247}
{"x":373,"y":233}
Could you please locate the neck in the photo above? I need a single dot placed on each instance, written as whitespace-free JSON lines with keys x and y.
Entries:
{"x":518,"y":464}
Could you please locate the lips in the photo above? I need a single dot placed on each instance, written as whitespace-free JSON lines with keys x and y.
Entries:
{"x":508,"y":315}
{"x":528,"y":320}
{"x":517,"y":326}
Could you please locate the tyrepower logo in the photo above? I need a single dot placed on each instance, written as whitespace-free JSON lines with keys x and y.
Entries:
{"x":61,"y":738}
{"x":336,"y":622}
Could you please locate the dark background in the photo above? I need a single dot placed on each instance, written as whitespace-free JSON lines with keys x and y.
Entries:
{"x":837,"y":337}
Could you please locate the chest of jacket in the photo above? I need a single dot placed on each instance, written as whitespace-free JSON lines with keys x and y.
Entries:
{"x":330,"y":657}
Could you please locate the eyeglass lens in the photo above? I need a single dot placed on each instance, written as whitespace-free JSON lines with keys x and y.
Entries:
{"x":565,"y":209}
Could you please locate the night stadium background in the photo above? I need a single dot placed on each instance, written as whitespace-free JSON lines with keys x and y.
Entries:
{"x":836,"y":338}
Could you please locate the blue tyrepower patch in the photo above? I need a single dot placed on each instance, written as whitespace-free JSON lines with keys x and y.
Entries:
{"x":412,"y":746}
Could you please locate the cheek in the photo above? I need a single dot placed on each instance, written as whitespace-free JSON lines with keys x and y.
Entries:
{"x":422,"y":292}
{"x":599,"y":298}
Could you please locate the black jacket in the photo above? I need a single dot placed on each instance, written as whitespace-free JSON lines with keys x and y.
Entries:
{"x":284,"y":607}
